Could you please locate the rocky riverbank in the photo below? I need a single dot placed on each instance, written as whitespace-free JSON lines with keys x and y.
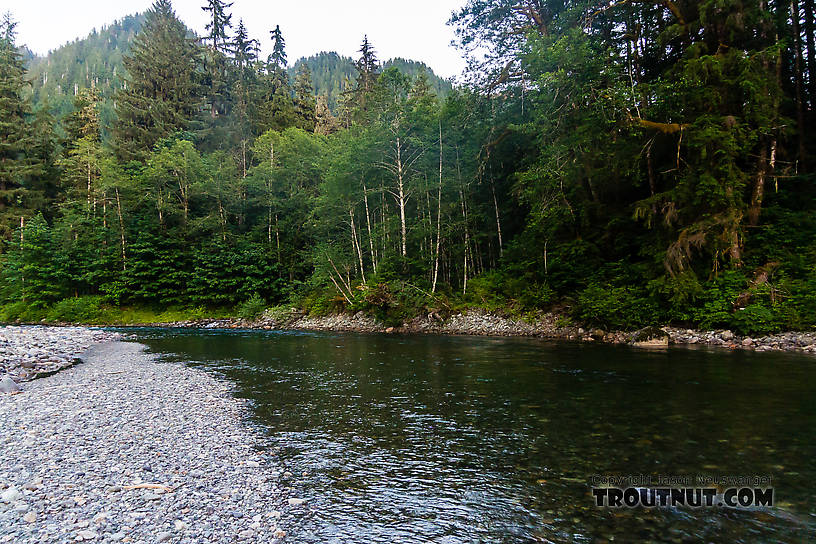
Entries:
{"x":31,"y":351}
{"x":548,"y":325}
{"x":123,"y":448}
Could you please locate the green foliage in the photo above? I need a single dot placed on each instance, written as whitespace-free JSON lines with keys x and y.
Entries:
{"x":252,"y":307}
{"x":616,"y":307}
{"x":30,"y":272}
{"x":647,"y":168}
{"x":89,"y":310}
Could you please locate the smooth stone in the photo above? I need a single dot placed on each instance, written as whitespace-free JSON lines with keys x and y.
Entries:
{"x":7,"y":385}
{"x":164,"y":537}
{"x":11,"y":494}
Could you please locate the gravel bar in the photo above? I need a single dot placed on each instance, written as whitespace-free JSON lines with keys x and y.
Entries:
{"x":30,"y":351}
{"x":123,"y":448}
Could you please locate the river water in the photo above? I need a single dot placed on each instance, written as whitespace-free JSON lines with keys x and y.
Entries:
{"x":467,"y":439}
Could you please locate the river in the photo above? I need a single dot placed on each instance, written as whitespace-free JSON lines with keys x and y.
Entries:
{"x":437,"y":439}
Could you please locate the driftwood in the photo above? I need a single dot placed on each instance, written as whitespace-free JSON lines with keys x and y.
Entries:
{"x":148,"y":486}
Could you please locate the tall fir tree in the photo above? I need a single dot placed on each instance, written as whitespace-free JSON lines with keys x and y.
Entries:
{"x":304,"y":99}
{"x":276,"y":108}
{"x":356,"y":101}
{"x":162,"y":91}
{"x":217,"y":27}
{"x":245,"y":49}
{"x":18,"y":167}
{"x":217,"y":69}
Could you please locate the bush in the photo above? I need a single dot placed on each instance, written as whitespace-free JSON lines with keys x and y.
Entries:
{"x":617,"y":307}
{"x":756,"y":319}
{"x":78,"y":310}
{"x":252,"y":307}
{"x":22,"y":311}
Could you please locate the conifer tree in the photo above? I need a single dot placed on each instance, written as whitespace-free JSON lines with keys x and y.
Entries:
{"x":217,"y":68}
{"x":276,"y":107}
{"x":84,"y":120}
{"x":245,"y":49}
{"x":368,"y":67}
{"x":162,"y":90}
{"x":304,"y":99}
{"x":277,"y":58}
{"x":17,"y":166}
{"x":220,"y":21}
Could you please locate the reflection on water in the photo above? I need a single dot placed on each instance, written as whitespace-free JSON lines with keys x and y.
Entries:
{"x":454,"y":439}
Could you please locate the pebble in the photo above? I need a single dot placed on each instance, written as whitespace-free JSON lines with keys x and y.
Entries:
{"x":27,"y":351}
{"x":81,"y":437}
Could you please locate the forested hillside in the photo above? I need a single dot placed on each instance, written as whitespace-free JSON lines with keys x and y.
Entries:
{"x":622,"y":164}
{"x":334,"y":74}
{"x":96,"y":61}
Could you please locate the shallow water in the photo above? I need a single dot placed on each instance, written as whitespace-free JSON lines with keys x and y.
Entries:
{"x":462,"y":439}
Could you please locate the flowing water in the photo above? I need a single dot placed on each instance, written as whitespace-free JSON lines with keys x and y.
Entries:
{"x":458,"y":439}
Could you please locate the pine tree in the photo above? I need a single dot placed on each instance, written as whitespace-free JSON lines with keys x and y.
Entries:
{"x":162,"y":91}
{"x":82,"y":164}
{"x":220,"y":21}
{"x":245,"y":49}
{"x":216,"y":66}
{"x":356,"y":101}
{"x":276,"y":108}
{"x":84,"y":120}
{"x":304,"y":99}
{"x":17,"y":166}
{"x":277,"y":58}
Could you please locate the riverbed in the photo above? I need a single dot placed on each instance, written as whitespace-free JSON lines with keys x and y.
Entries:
{"x":407,"y":438}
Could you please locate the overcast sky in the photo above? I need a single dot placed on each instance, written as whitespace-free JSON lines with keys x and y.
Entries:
{"x":415,"y":29}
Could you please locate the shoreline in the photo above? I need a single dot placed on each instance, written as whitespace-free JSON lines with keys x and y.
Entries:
{"x":482,"y":323}
{"x":126,"y":448}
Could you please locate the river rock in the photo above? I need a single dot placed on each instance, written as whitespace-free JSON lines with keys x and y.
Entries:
{"x":7,"y":385}
{"x":650,"y":337}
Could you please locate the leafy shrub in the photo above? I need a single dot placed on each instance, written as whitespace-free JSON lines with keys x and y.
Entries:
{"x":716,"y":302}
{"x":21,"y":311}
{"x":755,"y":319}
{"x":617,"y":307}
{"x":252,"y":307}
{"x":78,"y":310}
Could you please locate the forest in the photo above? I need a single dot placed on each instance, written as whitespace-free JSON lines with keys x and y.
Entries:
{"x":621,"y":164}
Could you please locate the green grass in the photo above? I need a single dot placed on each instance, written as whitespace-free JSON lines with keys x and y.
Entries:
{"x":95,"y":311}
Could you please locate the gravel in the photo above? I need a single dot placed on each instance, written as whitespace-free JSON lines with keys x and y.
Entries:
{"x":30,"y":351}
{"x":123,"y":448}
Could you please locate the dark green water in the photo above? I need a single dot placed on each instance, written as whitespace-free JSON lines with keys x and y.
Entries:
{"x":455,"y":439}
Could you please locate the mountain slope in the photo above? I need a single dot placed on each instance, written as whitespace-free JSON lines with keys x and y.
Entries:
{"x":332,"y":74}
{"x":96,"y":60}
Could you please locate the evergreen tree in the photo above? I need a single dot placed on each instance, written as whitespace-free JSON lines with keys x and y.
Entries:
{"x":217,"y":27}
{"x":276,"y":108}
{"x":277,"y":59}
{"x":162,"y":91}
{"x":84,"y":120}
{"x":245,"y":49}
{"x":368,"y":69}
{"x":17,"y":166}
{"x":216,"y":66}
{"x":304,"y":99}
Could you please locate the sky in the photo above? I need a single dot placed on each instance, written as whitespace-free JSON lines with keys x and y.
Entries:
{"x":416,"y":30}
